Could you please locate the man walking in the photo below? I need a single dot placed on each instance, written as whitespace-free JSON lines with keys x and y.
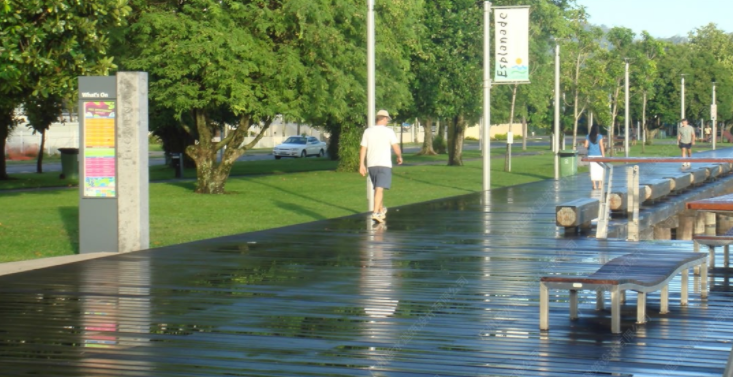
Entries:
{"x":685,"y":139}
{"x":375,"y":149}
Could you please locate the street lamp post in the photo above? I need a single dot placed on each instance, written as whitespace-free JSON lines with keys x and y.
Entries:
{"x":682,"y":98}
{"x":714,"y":116}
{"x":557,"y":112}
{"x":371,"y":101}
{"x":626,"y":109}
{"x":486,"y":135}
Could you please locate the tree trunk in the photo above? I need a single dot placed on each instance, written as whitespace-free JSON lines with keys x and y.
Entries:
{"x":39,"y":161}
{"x":575,"y":101}
{"x":333,"y":140}
{"x":508,"y":154}
{"x":211,"y":176}
{"x":643,"y":124}
{"x":441,"y":147}
{"x":427,"y":144}
{"x":6,"y":124}
{"x":524,"y":132}
{"x":614,"y":109}
{"x":456,"y":130}
{"x":3,"y":139}
{"x":576,"y":116}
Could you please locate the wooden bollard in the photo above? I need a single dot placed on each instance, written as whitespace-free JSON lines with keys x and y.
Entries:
{"x":655,"y":189}
{"x":699,"y":175}
{"x":577,"y":213}
{"x":680,"y":182}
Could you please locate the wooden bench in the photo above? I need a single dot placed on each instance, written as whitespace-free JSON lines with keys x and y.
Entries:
{"x":618,"y":146}
{"x":576,"y":214}
{"x":641,"y":272}
{"x":712,"y":241}
{"x":718,"y":204}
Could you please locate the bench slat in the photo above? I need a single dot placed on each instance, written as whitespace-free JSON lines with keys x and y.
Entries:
{"x":718,"y":203}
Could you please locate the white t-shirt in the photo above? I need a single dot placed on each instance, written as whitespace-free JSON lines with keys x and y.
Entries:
{"x":378,"y":140}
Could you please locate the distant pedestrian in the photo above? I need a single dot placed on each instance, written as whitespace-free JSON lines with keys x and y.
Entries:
{"x":375,"y":156}
{"x":594,"y":143}
{"x":685,"y":139}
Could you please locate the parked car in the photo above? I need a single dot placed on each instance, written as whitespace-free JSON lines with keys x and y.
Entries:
{"x":300,"y":146}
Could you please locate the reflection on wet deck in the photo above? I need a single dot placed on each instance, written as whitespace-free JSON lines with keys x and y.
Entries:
{"x":446,"y":288}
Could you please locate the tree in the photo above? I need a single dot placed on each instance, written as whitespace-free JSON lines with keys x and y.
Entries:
{"x":621,"y":47}
{"x":448,"y":68}
{"x":242,"y":63}
{"x":41,"y":112}
{"x":651,"y":50}
{"x":46,"y":45}
{"x":582,"y":45}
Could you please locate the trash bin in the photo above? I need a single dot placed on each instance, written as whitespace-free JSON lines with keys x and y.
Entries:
{"x":177,"y":164}
{"x":69,"y":163}
{"x":568,"y":163}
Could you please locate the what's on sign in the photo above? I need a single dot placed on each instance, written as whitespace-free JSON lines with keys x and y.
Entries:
{"x":511,"y":44}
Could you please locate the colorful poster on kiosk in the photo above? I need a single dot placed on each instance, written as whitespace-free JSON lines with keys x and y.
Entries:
{"x":100,"y":170}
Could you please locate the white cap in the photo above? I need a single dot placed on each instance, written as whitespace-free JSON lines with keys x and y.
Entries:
{"x":383,"y":113}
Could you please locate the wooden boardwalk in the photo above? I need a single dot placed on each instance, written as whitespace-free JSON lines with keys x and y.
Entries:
{"x":446,"y":288}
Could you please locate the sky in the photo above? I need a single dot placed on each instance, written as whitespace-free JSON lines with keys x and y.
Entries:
{"x":661,"y":18}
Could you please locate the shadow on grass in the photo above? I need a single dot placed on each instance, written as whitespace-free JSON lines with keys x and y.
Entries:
{"x":70,"y":218}
{"x":297,"y":209}
{"x":349,"y":210}
{"x":426,"y":182}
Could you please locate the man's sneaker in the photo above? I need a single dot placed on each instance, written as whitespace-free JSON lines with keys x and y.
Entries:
{"x":378,"y":217}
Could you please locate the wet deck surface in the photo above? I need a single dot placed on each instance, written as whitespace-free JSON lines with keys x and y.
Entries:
{"x":446,"y":288}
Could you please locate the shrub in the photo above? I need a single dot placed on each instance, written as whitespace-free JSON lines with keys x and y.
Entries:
{"x":439,"y":145}
{"x":29,"y":153}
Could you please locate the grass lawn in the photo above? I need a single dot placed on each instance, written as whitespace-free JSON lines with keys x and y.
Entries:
{"x":286,"y":165}
{"x":44,"y":223}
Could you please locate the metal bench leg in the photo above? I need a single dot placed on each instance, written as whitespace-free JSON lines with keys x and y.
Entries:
{"x":712,"y":256}
{"x":615,"y":311}
{"x":573,"y":305}
{"x":704,"y":281}
{"x":600,"y":298}
{"x":664,"y":300}
{"x":685,"y":283}
{"x":640,"y":307}
{"x":544,"y":307}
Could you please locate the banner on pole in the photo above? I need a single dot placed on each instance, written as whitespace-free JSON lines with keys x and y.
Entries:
{"x":512,"y":44}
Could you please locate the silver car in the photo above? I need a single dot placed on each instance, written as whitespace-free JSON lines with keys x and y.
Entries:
{"x":300,"y":146}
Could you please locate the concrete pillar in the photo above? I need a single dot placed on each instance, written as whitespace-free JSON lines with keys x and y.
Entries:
{"x":685,"y":229}
{"x":709,"y":223}
{"x":132,"y":161}
{"x":662,"y":233}
{"x":723,"y":223}
{"x":699,"y":227}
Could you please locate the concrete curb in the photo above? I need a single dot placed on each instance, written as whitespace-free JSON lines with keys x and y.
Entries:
{"x":21,"y":266}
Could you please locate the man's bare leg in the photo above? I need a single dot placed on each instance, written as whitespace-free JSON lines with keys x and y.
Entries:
{"x":378,"y":198}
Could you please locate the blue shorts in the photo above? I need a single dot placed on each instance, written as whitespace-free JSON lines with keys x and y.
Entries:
{"x":381,"y":176}
{"x":685,"y":145}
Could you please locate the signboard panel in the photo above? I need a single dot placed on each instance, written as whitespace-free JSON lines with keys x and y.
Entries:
{"x":511,"y":44}
{"x":99,"y":149}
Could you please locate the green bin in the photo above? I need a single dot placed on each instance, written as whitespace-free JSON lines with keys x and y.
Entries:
{"x":568,"y":163}
{"x":69,"y":163}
